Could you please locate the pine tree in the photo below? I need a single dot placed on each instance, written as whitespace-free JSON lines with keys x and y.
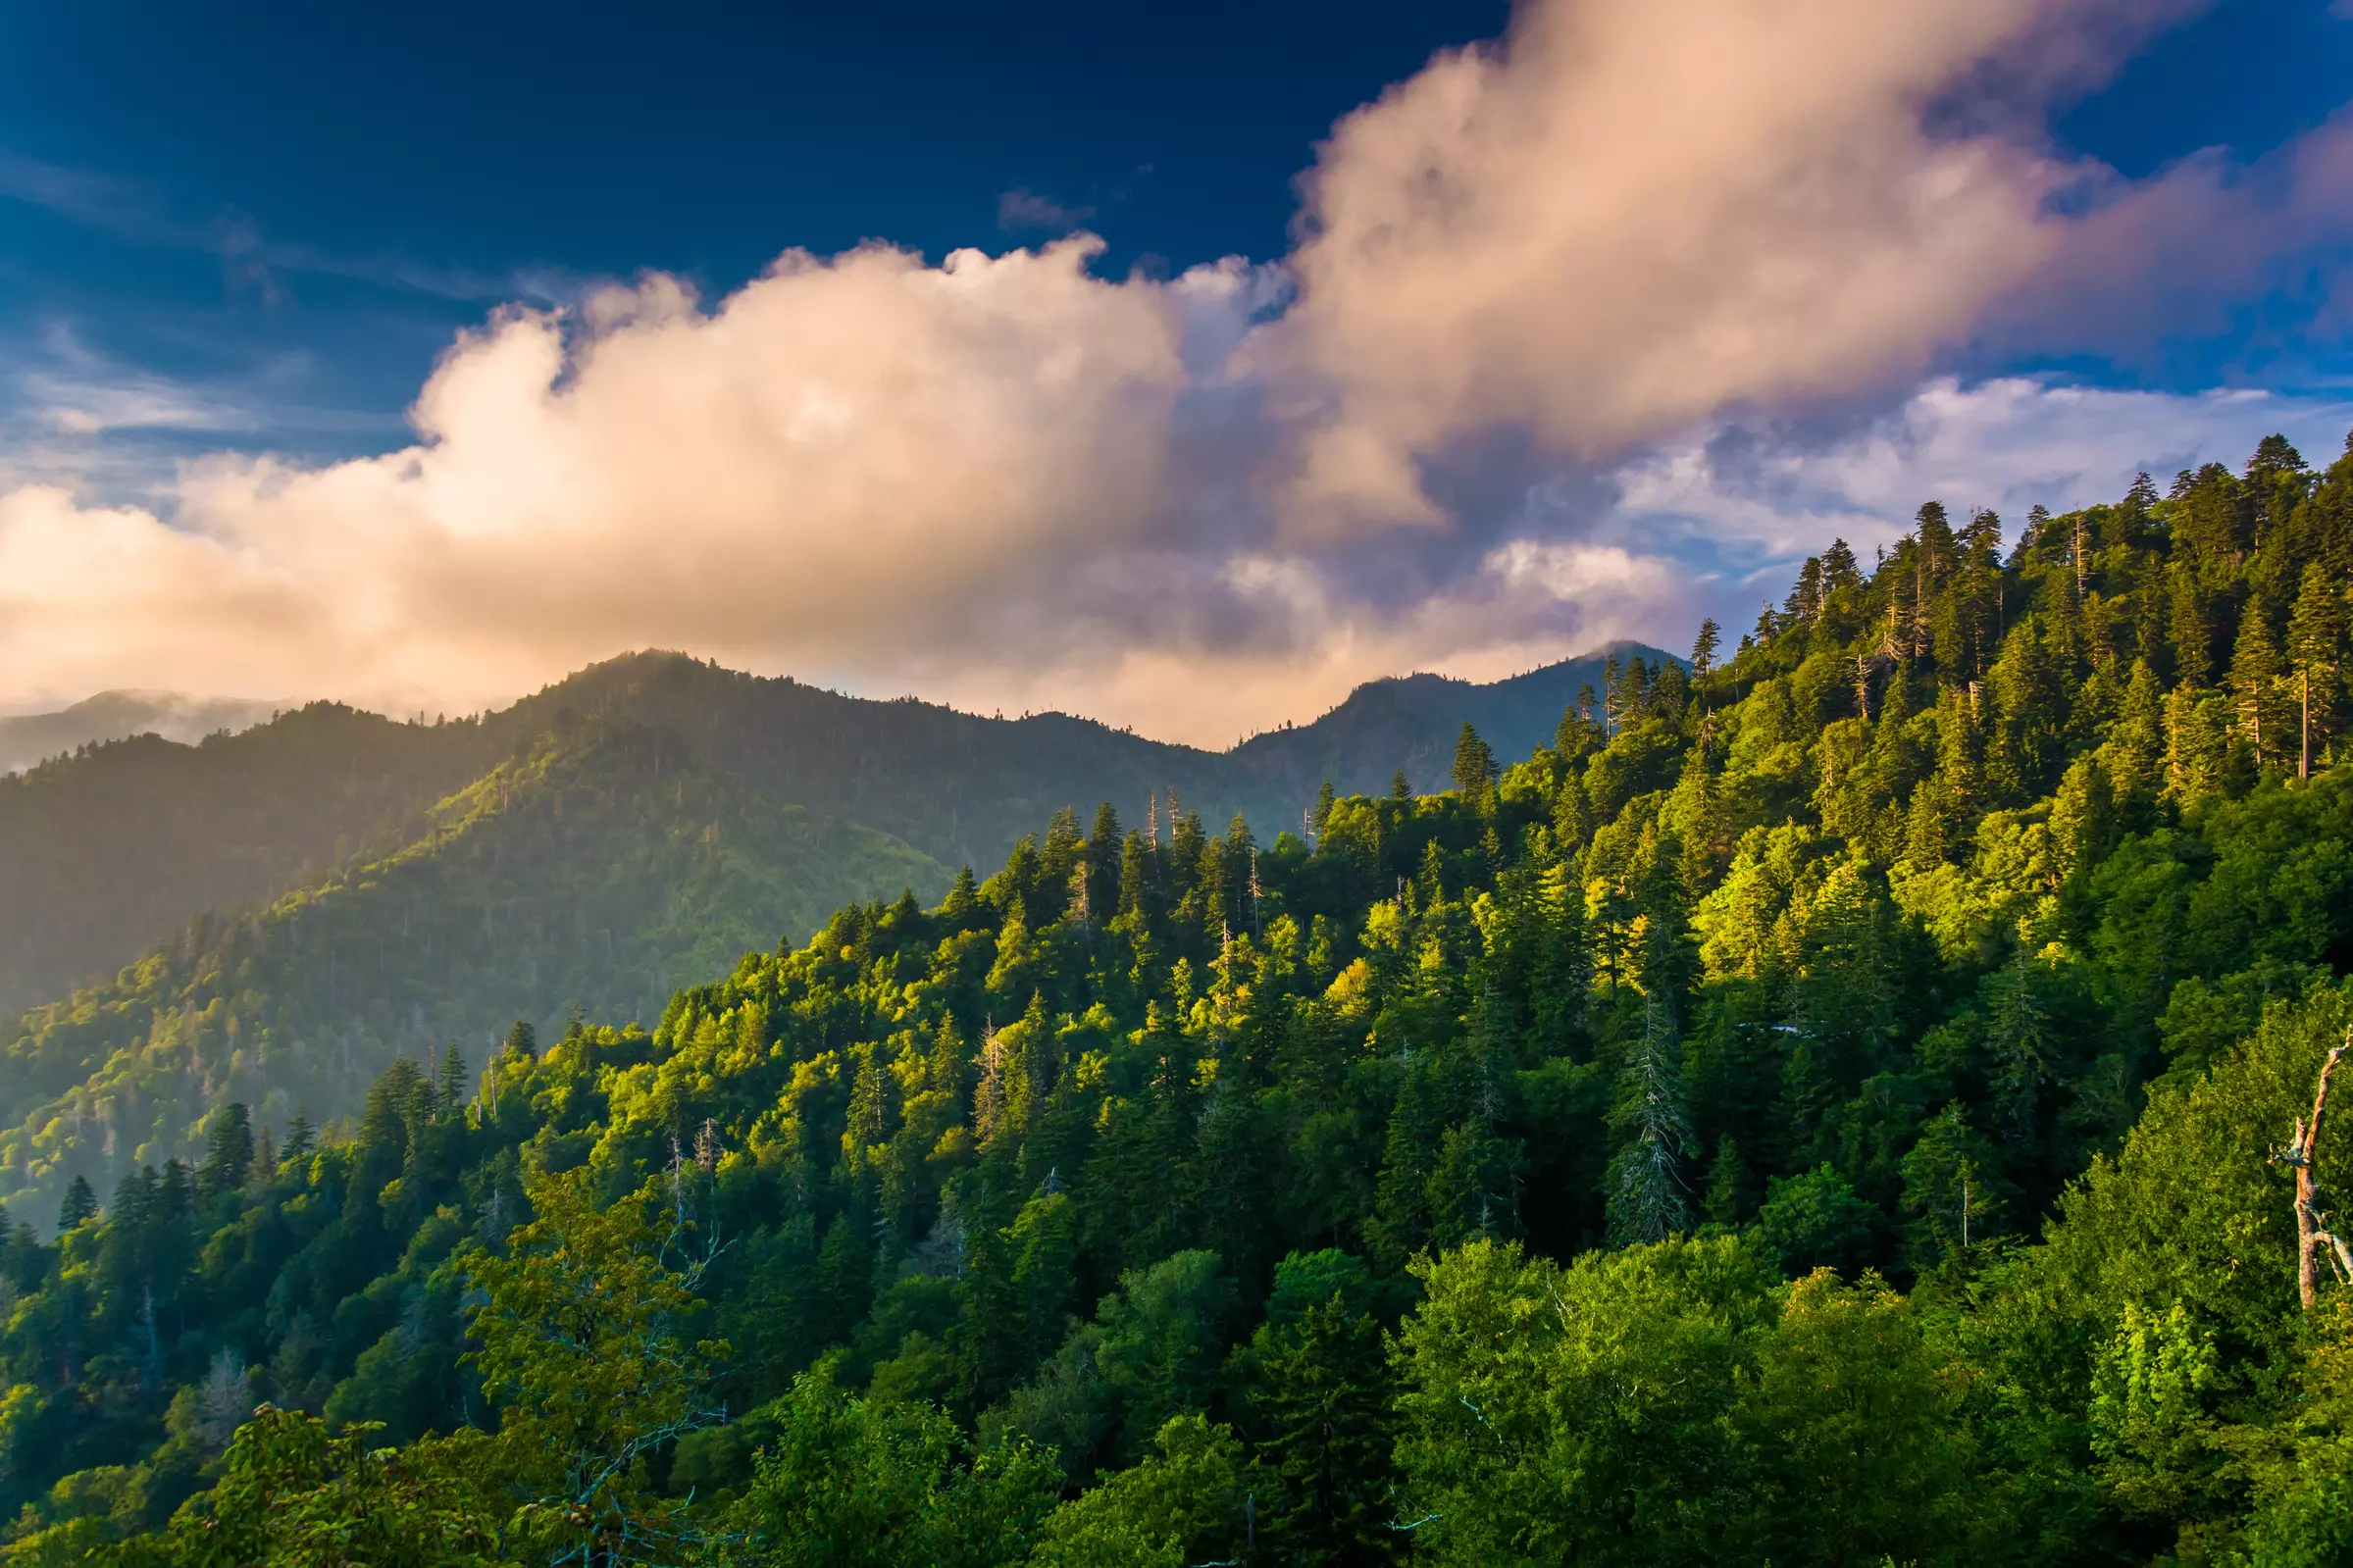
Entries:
{"x":1730,"y":1201}
{"x":1399,"y":1223}
{"x":2136,"y":744}
{"x":2196,"y":742}
{"x":1704,"y":650}
{"x":2315,"y":637}
{"x":229,"y":1152}
{"x":1321,"y":1414}
{"x":963,"y":899}
{"x":301,"y":1139}
{"x":80,"y":1204}
{"x":450,"y":1089}
{"x":2190,"y":632}
{"x":1474,"y":770}
{"x":1649,"y":1198}
{"x":2255,"y":686}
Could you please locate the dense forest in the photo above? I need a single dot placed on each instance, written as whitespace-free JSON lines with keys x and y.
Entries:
{"x":1849,"y":1099}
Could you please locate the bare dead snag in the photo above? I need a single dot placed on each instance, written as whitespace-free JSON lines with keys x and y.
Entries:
{"x":2313,"y":1243}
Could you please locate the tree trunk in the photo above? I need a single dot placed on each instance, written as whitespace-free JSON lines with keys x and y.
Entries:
{"x":2311,"y":1241}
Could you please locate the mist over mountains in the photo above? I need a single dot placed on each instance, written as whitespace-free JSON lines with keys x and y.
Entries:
{"x":29,"y":738}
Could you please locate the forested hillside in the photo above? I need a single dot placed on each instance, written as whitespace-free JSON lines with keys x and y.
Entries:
{"x":106,"y":851}
{"x":109,"y":851}
{"x":1838,"y":1101}
{"x":607,"y":866}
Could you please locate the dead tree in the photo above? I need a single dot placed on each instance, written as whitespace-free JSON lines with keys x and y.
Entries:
{"x":2313,"y":1241}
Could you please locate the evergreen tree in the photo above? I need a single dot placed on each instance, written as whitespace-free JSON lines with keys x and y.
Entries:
{"x":1704,"y":650}
{"x":2315,"y":652}
{"x":80,"y":1203}
{"x":1649,"y":1197}
{"x":301,"y":1138}
{"x":229,"y":1151}
{"x":2190,"y":630}
{"x":2255,"y":688}
{"x":1475,"y":768}
{"x":1319,"y":1411}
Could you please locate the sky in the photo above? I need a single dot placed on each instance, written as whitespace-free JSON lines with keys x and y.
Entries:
{"x":1180,"y":369}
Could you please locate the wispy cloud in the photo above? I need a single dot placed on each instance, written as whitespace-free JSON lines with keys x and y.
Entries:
{"x":129,"y":210}
{"x":96,"y":425}
{"x":1024,"y":211}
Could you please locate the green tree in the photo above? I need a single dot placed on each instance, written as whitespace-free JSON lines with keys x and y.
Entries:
{"x":1318,"y":1410}
{"x":1648,"y":1196}
{"x":1524,"y":1382}
{"x":851,"y":1483}
{"x":1181,"y":1505}
{"x":2255,"y":687}
{"x":2316,"y":638}
{"x":1474,"y":770}
{"x":80,"y":1203}
{"x":586,"y":1346}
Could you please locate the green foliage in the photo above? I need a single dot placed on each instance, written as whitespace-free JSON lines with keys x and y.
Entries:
{"x":289,"y":1495}
{"x":1183,"y":1504}
{"x":850,"y":1482}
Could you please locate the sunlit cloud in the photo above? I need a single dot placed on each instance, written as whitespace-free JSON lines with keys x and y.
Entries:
{"x":1584,"y":332}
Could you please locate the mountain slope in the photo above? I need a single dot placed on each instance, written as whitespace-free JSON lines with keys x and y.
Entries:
{"x":31,"y":738}
{"x":1413,"y":721}
{"x":107,"y":852}
{"x":604,"y":869}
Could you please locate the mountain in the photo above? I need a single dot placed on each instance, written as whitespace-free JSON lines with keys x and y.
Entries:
{"x":32,"y":738}
{"x":107,"y":852}
{"x":602,"y":869}
{"x":1858,"y":1103}
{"x":1411,"y":724}
{"x":287,"y":909}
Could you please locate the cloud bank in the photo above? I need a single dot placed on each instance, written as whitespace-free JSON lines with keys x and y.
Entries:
{"x":1580,"y":332}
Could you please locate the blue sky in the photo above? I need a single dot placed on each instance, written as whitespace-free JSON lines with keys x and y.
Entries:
{"x":256,"y":229}
{"x":293,"y":207}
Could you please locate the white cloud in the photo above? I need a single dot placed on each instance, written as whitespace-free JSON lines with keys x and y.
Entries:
{"x":2009,"y":444}
{"x":1552,"y":363}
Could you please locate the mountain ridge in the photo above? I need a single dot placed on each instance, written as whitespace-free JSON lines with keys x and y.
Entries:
{"x":106,"y":852}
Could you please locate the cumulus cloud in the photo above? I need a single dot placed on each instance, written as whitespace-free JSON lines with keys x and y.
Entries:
{"x":1627,"y":217}
{"x":1582,"y":330}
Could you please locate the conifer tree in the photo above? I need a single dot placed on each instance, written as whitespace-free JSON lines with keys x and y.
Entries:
{"x":2189,"y":630}
{"x":301,"y":1138}
{"x":1649,"y":1197}
{"x":1399,"y":1222}
{"x":229,"y":1151}
{"x":81,"y":1202}
{"x":1474,"y":770}
{"x":2255,"y":686}
{"x":2316,"y":653}
{"x":1321,"y":1412}
{"x":1704,"y":650}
